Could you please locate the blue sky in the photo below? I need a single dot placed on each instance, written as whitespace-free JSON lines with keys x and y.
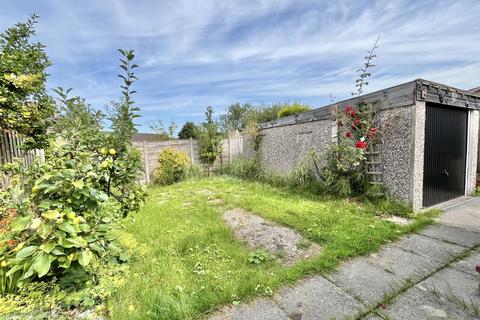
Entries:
{"x":198,"y":53}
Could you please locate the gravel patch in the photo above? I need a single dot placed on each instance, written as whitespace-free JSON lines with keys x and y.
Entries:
{"x":278,"y":240}
{"x":398,"y":220}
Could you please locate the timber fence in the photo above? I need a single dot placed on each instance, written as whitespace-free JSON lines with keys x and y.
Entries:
{"x":150,"y":150}
{"x":11,"y":151}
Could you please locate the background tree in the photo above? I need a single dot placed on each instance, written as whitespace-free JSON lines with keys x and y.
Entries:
{"x":25,"y":107}
{"x":239,"y":117}
{"x":189,"y":130}
{"x":125,"y":162}
{"x":163,"y":133}
{"x":290,"y":109}
{"x":77,"y":122}
{"x":236,"y":117}
{"x":123,"y":113}
{"x":210,"y":140}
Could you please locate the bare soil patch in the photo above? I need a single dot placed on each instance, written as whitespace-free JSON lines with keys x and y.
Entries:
{"x":281,"y":241}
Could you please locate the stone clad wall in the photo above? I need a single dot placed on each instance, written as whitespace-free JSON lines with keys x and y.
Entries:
{"x":283,"y":147}
{"x":396,"y":153}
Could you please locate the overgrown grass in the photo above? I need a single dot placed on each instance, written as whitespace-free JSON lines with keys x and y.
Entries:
{"x":188,"y":263}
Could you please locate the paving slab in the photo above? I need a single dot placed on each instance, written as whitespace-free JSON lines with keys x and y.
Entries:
{"x":454,"y":286}
{"x":317,"y":298}
{"x":417,"y":304}
{"x":465,"y":215}
{"x":429,"y":247}
{"x":366,"y":281}
{"x":460,"y":236}
{"x":404,"y":264}
{"x":259,"y":309}
{"x":468,"y":263}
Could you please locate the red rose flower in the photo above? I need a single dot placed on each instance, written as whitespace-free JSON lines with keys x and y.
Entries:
{"x":361,"y":145}
{"x":350,"y":111}
{"x":348,"y":134}
{"x":356,"y":123}
{"x":372,"y":132}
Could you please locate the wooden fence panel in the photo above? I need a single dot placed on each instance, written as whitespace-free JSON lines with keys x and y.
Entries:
{"x":232,"y":147}
{"x":10,"y":151}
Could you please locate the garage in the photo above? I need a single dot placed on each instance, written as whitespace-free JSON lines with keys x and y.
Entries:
{"x":427,"y":156}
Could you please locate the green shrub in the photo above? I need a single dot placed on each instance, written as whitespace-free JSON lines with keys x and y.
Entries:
{"x":173,"y":165}
{"x":295,"y":108}
{"x":343,"y":173}
{"x":210,"y":139}
{"x":248,"y":169}
{"x":63,"y":224}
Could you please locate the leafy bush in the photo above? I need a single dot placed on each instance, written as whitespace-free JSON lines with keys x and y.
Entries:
{"x":66,"y":206}
{"x":343,"y":173}
{"x":65,"y":225}
{"x":295,"y":108}
{"x":211,"y":141}
{"x":173,"y":165}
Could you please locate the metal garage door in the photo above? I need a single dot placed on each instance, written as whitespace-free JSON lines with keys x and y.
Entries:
{"x":445,"y":154}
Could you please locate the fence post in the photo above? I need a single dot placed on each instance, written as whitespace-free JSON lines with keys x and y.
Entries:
{"x":229,"y":150}
{"x":191,"y":150}
{"x":145,"y":162}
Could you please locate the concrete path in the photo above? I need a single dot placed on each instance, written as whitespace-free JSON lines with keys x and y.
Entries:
{"x":429,"y":275}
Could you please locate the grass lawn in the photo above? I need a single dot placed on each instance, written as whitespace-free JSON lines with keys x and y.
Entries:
{"x":187,"y":262}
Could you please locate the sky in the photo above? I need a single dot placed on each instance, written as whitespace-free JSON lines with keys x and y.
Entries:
{"x":198,"y":53}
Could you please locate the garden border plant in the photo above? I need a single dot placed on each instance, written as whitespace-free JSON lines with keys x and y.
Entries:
{"x":66,"y":207}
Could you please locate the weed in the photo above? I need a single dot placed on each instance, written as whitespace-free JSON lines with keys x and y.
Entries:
{"x":259,"y":256}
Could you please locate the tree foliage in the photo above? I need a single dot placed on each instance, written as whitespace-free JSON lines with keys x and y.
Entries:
{"x":125,"y":112}
{"x":238,"y":116}
{"x":210,"y":139}
{"x":77,"y":122}
{"x":294,"y":108}
{"x":25,"y":107}
{"x":163,"y":133}
{"x":189,"y":130}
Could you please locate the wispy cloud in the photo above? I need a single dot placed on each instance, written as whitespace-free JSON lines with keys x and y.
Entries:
{"x":199,"y":53}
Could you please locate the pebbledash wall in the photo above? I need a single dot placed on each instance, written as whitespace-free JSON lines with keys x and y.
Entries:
{"x":286,"y":141}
